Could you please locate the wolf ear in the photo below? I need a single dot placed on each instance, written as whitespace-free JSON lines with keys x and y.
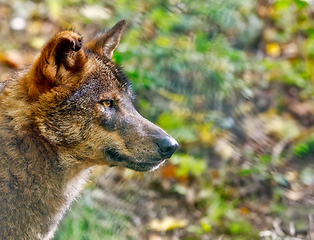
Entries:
{"x":62,"y":53}
{"x":106,"y":42}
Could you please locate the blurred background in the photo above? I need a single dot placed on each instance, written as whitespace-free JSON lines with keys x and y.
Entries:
{"x":232,"y":81}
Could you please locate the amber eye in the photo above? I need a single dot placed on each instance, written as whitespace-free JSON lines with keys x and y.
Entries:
{"x":107,"y":103}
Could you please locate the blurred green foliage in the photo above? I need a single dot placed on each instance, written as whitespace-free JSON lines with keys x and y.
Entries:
{"x":88,"y":220}
{"x":305,"y":148}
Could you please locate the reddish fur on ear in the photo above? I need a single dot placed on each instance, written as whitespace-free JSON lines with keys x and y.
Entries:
{"x":106,"y":43}
{"x":64,"y":49}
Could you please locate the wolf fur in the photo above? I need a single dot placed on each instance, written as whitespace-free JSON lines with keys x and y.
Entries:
{"x":71,"y":110}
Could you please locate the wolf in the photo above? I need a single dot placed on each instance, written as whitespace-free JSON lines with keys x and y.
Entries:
{"x":69,"y":111}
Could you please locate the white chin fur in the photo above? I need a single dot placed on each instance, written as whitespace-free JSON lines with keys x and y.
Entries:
{"x":156,"y":167}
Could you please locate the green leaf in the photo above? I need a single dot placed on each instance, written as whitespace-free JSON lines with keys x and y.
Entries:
{"x":301,"y":4}
{"x":282,"y":4}
{"x":188,"y":165}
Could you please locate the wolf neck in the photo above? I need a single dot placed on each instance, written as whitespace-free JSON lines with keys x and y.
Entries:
{"x":44,"y":183}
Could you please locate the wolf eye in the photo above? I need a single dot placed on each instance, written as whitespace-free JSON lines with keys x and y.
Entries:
{"x":107,"y":103}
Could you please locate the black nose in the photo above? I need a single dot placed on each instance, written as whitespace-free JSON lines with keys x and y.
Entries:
{"x":167,"y":146}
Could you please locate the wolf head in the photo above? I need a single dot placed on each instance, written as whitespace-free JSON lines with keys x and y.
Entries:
{"x":82,"y":104}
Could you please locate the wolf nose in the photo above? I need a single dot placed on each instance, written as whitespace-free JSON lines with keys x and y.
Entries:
{"x":167,"y":146}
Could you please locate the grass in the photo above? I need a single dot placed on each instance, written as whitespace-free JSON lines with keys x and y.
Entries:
{"x":88,"y":219}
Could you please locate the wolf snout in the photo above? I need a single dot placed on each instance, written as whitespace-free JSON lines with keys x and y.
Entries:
{"x":167,"y":146}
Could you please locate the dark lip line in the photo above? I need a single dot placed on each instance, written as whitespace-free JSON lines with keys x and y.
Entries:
{"x":116,"y":159}
{"x":137,"y":163}
{"x":146,"y":166}
{"x":141,"y":167}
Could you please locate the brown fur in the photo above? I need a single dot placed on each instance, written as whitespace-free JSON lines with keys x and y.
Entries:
{"x":72,"y":109}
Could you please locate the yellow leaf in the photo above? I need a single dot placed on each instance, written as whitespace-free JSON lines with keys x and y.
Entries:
{"x":171,"y":96}
{"x":184,"y":43}
{"x":206,"y":134}
{"x":273,"y":49}
{"x":205,"y":225}
{"x":166,"y":224}
{"x":163,"y":41}
{"x":37,"y":42}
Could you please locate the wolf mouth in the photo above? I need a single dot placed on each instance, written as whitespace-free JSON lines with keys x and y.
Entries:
{"x":115,"y":159}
